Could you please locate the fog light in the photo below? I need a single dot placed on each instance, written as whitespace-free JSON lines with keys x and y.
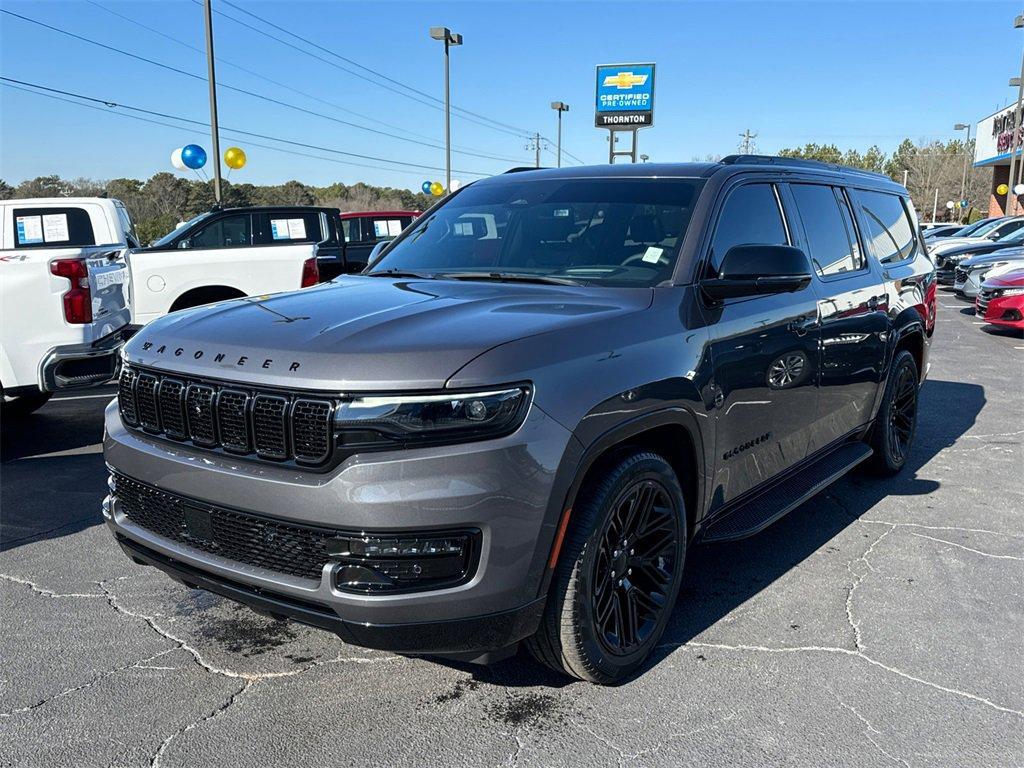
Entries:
{"x":375,"y":563}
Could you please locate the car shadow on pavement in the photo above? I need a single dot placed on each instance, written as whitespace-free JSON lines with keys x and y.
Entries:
{"x":53,"y":477}
{"x":721,"y":577}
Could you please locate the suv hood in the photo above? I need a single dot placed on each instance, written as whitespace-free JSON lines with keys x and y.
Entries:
{"x":368,"y":333}
{"x":1006,"y":254}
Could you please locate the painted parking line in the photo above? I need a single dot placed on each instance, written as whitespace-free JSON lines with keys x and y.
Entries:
{"x":108,"y":395}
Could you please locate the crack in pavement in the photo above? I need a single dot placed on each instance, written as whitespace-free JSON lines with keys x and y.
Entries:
{"x":154,"y":761}
{"x":969,"y":549}
{"x":944,"y":528}
{"x":858,"y":639}
{"x":869,"y":729}
{"x":856,"y":654}
{"x":91,"y":682}
{"x":43,"y":590}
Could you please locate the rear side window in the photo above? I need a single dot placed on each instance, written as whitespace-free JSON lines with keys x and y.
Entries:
{"x":831,"y":240}
{"x":350,"y":230}
{"x":289,"y":227}
{"x":750,"y":216}
{"x":378,"y":229}
{"x":52,"y":228}
{"x":224,"y":233}
{"x":888,"y":231}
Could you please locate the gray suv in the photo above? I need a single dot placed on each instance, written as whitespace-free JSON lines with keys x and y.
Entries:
{"x":514,"y":424}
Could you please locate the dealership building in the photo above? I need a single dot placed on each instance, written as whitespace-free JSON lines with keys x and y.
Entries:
{"x":992,"y":149}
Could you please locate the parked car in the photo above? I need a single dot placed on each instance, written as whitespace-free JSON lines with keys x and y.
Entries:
{"x":516,"y":422}
{"x":991,"y":232}
{"x":1001,"y":300}
{"x":970,"y":274}
{"x":64,"y":293}
{"x":936,"y":229}
{"x":947,"y":262}
{"x":361,"y":232}
{"x":230,"y":253}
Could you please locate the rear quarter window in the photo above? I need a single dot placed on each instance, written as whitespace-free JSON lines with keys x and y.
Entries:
{"x":52,"y":228}
{"x":888,"y":231}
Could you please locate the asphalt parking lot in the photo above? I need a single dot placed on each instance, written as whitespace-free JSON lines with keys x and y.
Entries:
{"x":881,"y":623}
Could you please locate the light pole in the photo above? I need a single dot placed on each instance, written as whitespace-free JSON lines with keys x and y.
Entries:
{"x":644,"y":158}
{"x":967,"y":149}
{"x":1018,"y":22}
{"x":560,"y":107}
{"x":214,"y":133}
{"x":450,"y":38}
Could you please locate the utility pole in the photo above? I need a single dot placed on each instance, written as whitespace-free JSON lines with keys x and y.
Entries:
{"x":935,"y":205}
{"x":967,"y":147}
{"x":1019,"y":82}
{"x":215,"y":134}
{"x":747,"y":146}
{"x":450,"y":38}
{"x":536,"y":149}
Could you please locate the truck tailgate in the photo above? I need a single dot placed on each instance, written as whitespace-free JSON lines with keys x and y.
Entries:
{"x":108,"y":288}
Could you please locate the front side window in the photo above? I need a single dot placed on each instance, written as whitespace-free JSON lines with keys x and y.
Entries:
{"x":52,"y":228}
{"x":224,"y":233}
{"x":888,"y":231}
{"x":750,"y":216}
{"x":384,"y":229}
{"x":614,"y":232}
{"x":1004,"y":230}
{"x":831,"y":241}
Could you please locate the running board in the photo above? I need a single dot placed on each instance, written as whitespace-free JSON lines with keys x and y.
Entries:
{"x":774,"y":502}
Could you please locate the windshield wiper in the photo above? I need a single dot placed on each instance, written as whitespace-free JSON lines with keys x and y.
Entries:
{"x":398,"y":273}
{"x":509,"y":277}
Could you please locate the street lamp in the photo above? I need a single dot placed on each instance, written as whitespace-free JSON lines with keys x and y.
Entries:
{"x":967,"y":145}
{"x":1017,"y":82}
{"x":450,"y":38}
{"x":560,"y":107}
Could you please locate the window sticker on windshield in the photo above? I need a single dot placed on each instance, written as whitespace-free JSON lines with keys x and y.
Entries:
{"x":380,"y":228}
{"x":561,"y":213}
{"x":30,"y":229}
{"x":394,"y":227}
{"x":653,"y":254}
{"x":288,"y":229}
{"x":55,"y":228}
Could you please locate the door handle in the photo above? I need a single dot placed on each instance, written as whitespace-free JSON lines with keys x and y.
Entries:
{"x":802,"y":325}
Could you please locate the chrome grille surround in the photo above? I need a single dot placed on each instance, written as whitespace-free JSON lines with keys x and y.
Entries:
{"x":254,"y":422}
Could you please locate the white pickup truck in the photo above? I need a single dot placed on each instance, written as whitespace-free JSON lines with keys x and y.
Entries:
{"x":74,"y":281}
{"x":64,"y":296}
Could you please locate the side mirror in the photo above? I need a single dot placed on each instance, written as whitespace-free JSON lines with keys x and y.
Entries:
{"x":755,"y":270}
{"x":186,"y":243}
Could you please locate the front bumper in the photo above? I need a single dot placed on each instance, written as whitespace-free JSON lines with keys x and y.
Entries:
{"x":77,"y":366}
{"x":1006,"y":311}
{"x":503,"y":488}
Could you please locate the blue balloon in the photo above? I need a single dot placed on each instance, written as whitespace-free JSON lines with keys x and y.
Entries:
{"x":193,"y":156}
{"x":426,"y":187}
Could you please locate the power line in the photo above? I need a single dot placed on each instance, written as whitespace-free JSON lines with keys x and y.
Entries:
{"x":110,"y":104}
{"x":436,"y":102}
{"x":253,"y":94}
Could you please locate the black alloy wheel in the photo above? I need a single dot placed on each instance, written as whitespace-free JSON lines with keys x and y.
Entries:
{"x":893,"y":432}
{"x":634,"y":567}
{"x":903,"y":414}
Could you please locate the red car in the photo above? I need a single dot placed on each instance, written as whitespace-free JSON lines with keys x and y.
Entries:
{"x":1001,"y":301}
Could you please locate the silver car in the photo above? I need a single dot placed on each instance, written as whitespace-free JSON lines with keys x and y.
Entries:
{"x":971,"y":273}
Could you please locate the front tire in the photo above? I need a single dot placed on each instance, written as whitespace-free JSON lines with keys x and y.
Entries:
{"x":619,"y":572}
{"x":896,"y":423}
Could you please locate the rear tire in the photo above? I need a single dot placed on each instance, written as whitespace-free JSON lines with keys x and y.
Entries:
{"x":896,"y":423}
{"x":619,"y":571}
{"x":19,"y":406}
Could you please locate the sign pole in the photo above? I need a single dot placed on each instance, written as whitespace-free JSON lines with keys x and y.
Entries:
{"x":214,"y":132}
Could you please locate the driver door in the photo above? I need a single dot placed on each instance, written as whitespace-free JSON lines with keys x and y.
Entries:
{"x":764,"y":352}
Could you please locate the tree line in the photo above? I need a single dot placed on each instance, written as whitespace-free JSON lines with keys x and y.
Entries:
{"x":163,"y":200}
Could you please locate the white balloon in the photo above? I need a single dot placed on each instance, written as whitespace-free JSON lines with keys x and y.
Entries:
{"x":176,"y":160}
{"x":454,"y":185}
{"x":950,"y":203}
{"x":1019,"y":189}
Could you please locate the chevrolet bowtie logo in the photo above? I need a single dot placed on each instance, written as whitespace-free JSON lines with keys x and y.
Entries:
{"x":624,"y":80}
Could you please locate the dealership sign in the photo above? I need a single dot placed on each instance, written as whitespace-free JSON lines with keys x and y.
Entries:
{"x":994,"y":138}
{"x":625,"y":96}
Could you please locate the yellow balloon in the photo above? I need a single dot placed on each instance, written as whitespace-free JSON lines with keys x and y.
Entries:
{"x":234,"y":157}
{"x":1002,"y":189}
{"x":436,"y":189}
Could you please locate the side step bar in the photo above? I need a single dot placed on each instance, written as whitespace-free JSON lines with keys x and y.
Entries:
{"x":756,"y":514}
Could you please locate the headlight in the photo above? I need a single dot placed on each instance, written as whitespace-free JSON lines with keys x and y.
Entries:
{"x":388,"y":421}
{"x":1003,"y":293}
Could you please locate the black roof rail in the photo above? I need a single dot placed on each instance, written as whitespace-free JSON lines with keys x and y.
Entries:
{"x":520,"y":168}
{"x":799,"y":162}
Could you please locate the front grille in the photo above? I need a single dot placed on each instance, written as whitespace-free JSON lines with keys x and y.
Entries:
{"x":961,"y":275}
{"x":295,"y":550}
{"x":275,"y":426}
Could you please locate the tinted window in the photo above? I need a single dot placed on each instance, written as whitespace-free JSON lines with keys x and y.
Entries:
{"x":888,"y":231}
{"x":831,"y":241}
{"x":1003,"y":230}
{"x":622,"y":232}
{"x":52,"y":228}
{"x":289,"y":227}
{"x":223,"y":233}
{"x":385,"y":228}
{"x":750,"y":216}
{"x":350,"y":229}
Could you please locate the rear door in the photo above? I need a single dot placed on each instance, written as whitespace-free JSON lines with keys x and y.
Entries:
{"x":765,"y":354}
{"x":852,"y":309}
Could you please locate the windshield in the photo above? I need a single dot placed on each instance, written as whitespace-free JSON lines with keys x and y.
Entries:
{"x":166,"y":239}
{"x":622,"y":232}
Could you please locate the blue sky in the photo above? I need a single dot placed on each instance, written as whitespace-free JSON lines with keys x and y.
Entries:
{"x":853,"y":74}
